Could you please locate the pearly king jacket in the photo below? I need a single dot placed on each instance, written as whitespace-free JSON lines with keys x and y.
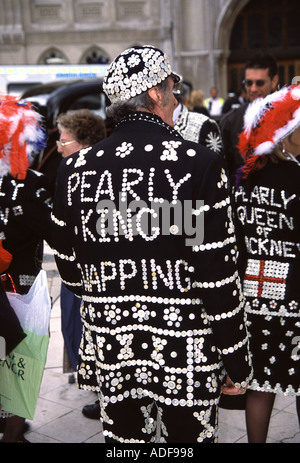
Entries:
{"x":25,"y":217}
{"x":125,"y":242}
{"x":199,"y":128}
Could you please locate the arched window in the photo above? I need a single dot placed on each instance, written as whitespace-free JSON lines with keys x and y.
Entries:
{"x":94,"y":55}
{"x":53,"y":56}
{"x":270,"y":25}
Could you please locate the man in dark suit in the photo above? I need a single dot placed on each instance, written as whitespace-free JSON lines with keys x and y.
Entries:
{"x":261,"y":78}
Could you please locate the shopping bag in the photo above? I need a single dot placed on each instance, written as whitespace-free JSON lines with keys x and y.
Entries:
{"x":11,"y":332}
{"x":21,"y":371}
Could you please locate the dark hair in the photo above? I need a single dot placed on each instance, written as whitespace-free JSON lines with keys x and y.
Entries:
{"x":86,"y":127}
{"x":263,"y":60}
{"x":182,"y":91}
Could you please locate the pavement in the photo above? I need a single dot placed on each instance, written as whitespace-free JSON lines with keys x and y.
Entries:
{"x":59,"y":419}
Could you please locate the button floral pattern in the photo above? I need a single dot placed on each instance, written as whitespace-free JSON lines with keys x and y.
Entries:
{"x":158,"y":320}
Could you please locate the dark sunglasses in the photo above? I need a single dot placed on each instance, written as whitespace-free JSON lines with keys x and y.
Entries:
{"x":258,"y":83}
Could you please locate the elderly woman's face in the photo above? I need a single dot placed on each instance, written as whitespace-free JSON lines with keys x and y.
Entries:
{"x":67,"y":145}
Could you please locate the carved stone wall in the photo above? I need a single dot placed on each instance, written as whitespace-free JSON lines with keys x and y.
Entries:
{"x":89,"y":12}
{"x":75,"y":31}
{"x":46,"y":12}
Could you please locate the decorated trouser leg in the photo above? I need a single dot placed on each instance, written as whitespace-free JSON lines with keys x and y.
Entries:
{"x":144,"y":420}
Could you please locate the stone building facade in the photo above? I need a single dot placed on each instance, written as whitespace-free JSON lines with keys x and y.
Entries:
{"x":196,"y":34}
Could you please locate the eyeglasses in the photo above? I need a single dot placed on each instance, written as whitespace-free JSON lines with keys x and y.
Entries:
{"x":258,"y":83}
{"x":64,"y":143}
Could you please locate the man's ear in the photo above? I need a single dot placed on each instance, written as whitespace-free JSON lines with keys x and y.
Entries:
{"x":275,"y":82}
{"x":155,"y":94}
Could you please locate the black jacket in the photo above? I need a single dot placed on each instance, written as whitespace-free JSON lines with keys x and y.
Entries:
{"x":231,"y":125}
{"x":25,"y":218}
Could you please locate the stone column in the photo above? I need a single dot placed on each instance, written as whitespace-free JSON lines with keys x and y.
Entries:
{"x":11,"y":32}
{"x":11,"y":29}
{"x":196,"y":56}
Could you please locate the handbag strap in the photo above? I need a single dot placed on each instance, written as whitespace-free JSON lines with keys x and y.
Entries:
{"x":8,"y":287}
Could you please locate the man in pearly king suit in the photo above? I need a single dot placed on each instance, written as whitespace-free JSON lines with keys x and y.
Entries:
{"x":143,"y":234}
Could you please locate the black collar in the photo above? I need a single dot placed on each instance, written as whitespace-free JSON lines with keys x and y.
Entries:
{"x":148,"y":117}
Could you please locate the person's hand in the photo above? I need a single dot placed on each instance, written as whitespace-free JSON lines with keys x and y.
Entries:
{"x":231,"y":389}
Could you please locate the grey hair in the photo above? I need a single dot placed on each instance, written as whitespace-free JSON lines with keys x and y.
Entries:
{"x":118,"y":111}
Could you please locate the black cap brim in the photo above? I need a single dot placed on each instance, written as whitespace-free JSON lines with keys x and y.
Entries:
{"x":176,"y":77}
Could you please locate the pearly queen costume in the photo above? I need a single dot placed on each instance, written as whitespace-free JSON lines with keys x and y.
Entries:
{"x":268,"y":225}
{"x":25,"y":202}
{"x":162,"y":315}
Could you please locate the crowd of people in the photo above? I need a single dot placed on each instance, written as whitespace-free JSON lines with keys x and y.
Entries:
{"x":177,"y":241}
